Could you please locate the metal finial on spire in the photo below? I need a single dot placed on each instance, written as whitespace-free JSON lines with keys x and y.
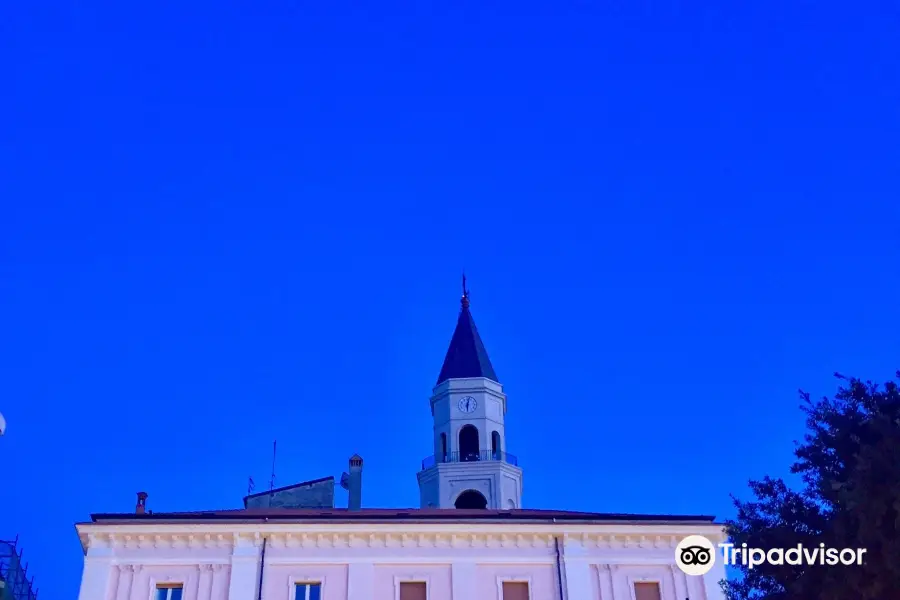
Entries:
{"x":465,"y":293}
{"x":466,"y":356}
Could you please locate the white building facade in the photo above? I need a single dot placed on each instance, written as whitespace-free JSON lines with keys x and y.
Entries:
{"x":380,"y":554}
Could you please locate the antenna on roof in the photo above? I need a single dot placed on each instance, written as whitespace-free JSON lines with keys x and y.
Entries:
{"x":250,"y":485}
{"x":274,"y":452}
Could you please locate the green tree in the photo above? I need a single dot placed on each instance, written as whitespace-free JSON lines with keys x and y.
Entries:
{"x":849,"y":463}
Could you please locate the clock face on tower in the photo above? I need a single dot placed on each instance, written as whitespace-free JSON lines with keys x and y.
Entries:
{"x":467,"y":404}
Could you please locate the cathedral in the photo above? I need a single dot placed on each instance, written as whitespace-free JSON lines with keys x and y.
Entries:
{"x":469,"y":539}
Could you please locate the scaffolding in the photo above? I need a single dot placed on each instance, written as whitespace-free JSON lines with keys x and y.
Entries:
{"x":14,"y":583}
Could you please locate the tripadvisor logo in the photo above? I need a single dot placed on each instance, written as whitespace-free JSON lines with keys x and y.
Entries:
{"x":696,"y":555}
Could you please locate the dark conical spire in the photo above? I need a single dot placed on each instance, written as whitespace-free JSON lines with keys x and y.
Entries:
{"x":466,"y":356}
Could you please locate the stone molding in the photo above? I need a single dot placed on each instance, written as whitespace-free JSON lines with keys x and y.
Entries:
{"x":249,"y":541}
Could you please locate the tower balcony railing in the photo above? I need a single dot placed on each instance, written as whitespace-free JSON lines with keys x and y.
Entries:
{"x":471,"y":456}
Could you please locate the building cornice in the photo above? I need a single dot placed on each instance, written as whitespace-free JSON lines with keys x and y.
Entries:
{"x":369,"y":535}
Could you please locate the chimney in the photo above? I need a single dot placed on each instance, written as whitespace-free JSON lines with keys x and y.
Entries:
{"x":141,"y":503}
{"x":355,"y":482}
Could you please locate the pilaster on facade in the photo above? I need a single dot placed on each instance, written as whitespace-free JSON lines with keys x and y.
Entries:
{"x":124,"y":582}
{"x":576,"y":568}
{"x":605,"y":581}
{"x":462,"y":579}
{"x":710,"y":581}
{"x":360,"y":581}
{"x":97,"y":578}
{"x":220,"y":581}
{"x":679,"y":581}
{"x":245,"y":563}
{"x":204,"y":581}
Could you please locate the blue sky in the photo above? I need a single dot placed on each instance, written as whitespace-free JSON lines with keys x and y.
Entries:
{"x":227,"y":223}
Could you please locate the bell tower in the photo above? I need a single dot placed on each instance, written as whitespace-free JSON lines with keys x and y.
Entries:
{"x":470,"y":467}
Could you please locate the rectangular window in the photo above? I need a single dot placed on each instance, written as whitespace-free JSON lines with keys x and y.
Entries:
{"x":308,"y":591}
{"x":647,"y":590}
{"x":515,"y":590}
{"x":413,"y":590}
{"x":168,"y":591}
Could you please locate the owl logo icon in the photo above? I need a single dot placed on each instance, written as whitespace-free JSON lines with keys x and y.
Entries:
{"x":695,"y":555}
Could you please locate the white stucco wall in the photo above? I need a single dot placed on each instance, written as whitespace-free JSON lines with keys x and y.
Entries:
{"x":367,"y":561}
